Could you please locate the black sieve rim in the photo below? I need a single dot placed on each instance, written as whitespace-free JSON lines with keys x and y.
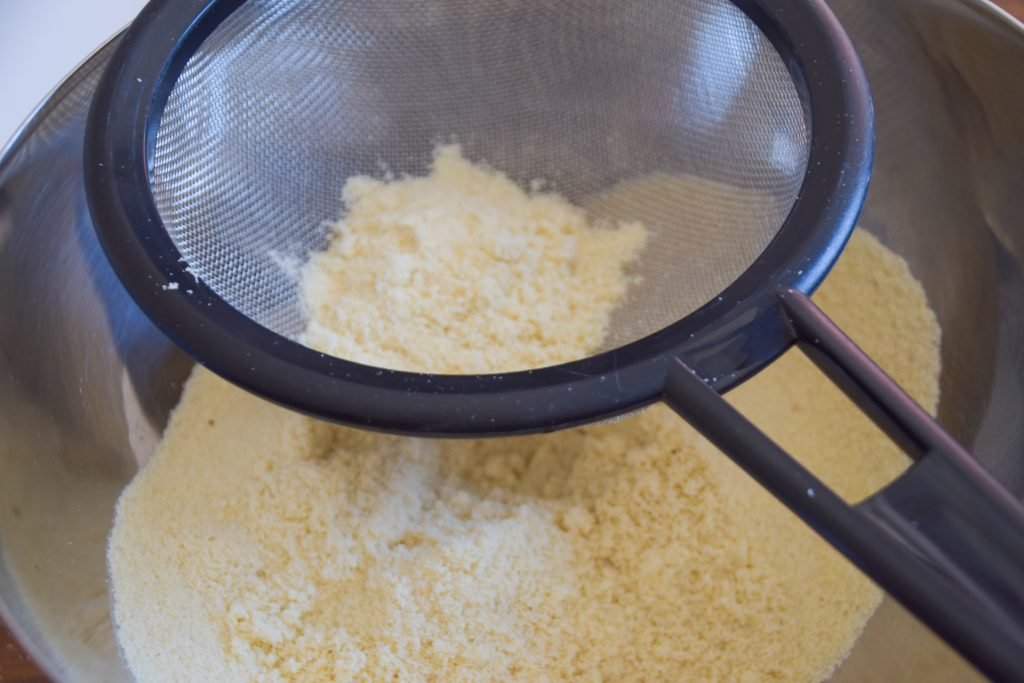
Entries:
{"x":725,"y":341}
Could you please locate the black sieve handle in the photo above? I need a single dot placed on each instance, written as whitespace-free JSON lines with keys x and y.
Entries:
{"x":945,"y":539}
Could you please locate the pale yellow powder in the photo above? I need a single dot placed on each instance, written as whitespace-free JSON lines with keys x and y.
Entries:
{"x":260,"y":545}
{"x":436,"y":274}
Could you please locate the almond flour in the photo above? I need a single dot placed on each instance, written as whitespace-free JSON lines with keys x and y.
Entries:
{"x":261,"y":545}
{"x":436,"y":274}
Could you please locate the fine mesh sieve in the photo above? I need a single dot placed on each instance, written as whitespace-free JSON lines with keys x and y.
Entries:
{"x":739,"y":131}
{"x":285,"y":100}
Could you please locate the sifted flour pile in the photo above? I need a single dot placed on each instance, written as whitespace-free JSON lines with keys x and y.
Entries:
{"x":261,"y":545}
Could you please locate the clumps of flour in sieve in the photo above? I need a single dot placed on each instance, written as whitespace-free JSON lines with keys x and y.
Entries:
{"x":464,"y":272}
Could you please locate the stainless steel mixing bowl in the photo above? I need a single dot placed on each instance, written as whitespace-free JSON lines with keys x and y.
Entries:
{"x":86,"y":382}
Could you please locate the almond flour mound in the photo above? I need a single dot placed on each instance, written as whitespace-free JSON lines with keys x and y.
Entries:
{"x":433,"y":274}
{"x":262,"y":545}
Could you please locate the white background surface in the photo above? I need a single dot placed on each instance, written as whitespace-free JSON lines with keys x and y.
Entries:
{"x":41,"y":41}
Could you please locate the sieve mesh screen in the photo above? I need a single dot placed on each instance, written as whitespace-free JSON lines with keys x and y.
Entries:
{"x":681,"y":115}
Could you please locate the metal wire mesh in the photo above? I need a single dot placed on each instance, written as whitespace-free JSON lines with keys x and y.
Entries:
{"x":682,"y":115}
